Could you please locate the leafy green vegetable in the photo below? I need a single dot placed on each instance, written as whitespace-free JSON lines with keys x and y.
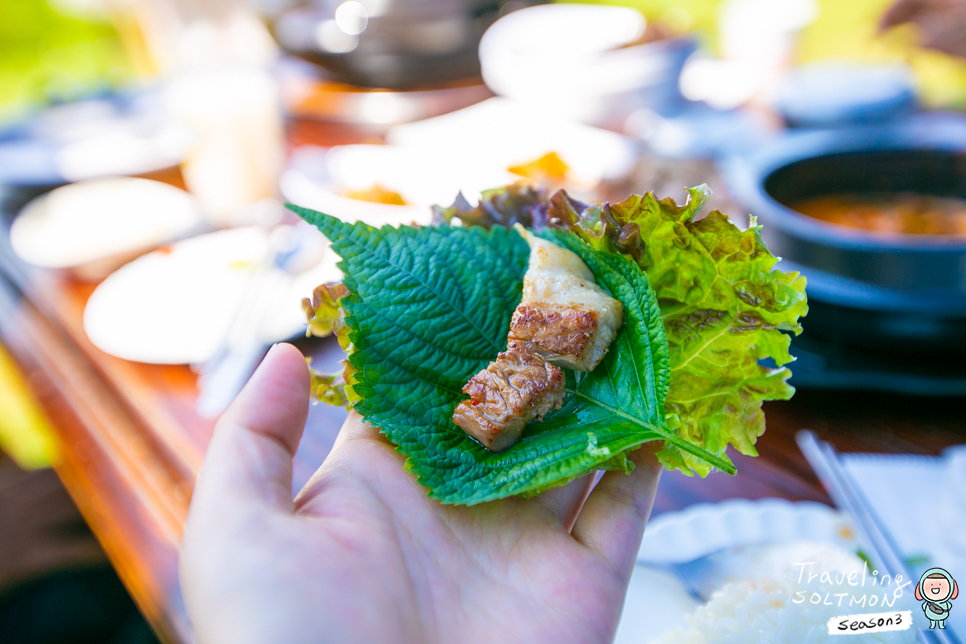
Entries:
{"x":428,"y":308}
{"x":326,"y":317}
{"x":324,"y":312}
{"x":519,"y":203}
{"x":723,"y":305}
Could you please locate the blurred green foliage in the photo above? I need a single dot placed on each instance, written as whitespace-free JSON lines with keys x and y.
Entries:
{"x":46,"y":55}
{"x":844,"y":29}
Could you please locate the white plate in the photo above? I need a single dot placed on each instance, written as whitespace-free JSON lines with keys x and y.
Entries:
{"x":176,"y":305}
{"x":500,"y":133}
{"x":468,"y":151}
{"x":657,"y":602}
{"x":758,"y":537}
{"x":92,"y":220}
{"x":317,"y":178}
{"x":704,"y":528}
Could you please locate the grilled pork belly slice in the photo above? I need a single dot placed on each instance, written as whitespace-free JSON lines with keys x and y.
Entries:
{"x":513,"y":390}
{"x":564,"y":316}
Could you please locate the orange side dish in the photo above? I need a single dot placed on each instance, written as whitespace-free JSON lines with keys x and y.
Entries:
{"x":901,"y":213}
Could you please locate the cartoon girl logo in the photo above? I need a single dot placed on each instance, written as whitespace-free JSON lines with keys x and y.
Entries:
{"x":936,"y":590}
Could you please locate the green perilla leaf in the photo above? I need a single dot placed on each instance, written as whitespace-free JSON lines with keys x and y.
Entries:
{"x":428,"y":308}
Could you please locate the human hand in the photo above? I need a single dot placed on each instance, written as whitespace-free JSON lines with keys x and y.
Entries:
{"x":363,"y":555}
{"x":942,"y":23}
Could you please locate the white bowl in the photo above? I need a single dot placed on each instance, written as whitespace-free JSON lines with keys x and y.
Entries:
{"x":575,"y":59}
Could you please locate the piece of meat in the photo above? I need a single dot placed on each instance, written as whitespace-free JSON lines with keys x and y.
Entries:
{"x":564,"y":317}
{"x":513,"y":390}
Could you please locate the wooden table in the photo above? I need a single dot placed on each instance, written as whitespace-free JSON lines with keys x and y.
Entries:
{"x":132,"y":442}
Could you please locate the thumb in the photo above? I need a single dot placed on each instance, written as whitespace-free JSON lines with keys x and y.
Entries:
{"x":245,"y":484}
{"x":249,"y":458}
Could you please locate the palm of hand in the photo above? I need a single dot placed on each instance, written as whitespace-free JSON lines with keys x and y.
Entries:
{"x":363,"y":555}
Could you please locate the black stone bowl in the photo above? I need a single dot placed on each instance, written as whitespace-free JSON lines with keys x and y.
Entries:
{"x":889,"y":294}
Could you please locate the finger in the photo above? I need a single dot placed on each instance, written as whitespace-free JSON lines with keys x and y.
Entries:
{"x":356,"y":428}
{"x":250,"y":454}
{"x":564,"y":502}
{"x":613,"y":518}
{"x":353,"y":429}
{"x":360,"y":452}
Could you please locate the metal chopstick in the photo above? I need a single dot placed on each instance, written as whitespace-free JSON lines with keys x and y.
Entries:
{"x":840,"y":486}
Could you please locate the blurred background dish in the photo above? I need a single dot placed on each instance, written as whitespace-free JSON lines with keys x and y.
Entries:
{"x":425,"y":163}
{"x":501,"y":133}
{"x":124,"y":133}
{"x":688,"y":555}
{"x":699,"y":132}
{"x":756,"y":43}
{"x":593,"y":63}
{"x":841,"y":93}
{"x":876,"y":299}
{"x":389,"y":44}
{"x":95,"y":226}
{"x":308,"y":93}
{"x":176,"y":305}
{"x":884,"y":292}
{"x":703,"y":529}
{"x":381,"y":184}
{"x":657,"y":602}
